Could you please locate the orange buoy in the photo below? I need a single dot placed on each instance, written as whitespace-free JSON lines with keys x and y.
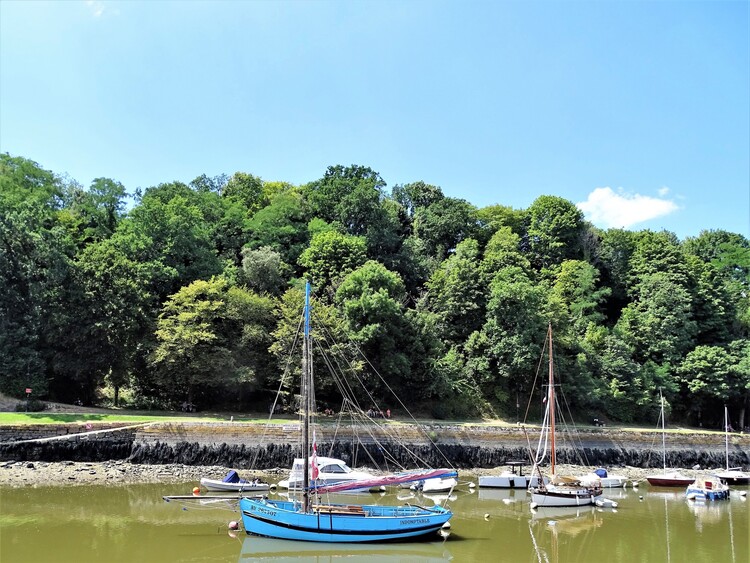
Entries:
{"x":197,"y":491}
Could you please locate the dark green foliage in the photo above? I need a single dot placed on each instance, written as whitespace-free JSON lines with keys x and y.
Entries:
{"x":32,"y":405}
{"x":194,"y":292}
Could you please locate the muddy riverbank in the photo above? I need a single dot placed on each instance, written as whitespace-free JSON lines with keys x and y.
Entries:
{"x":123,"y":473}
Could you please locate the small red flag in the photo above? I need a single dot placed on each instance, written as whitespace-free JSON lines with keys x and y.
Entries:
{"x":314,"y":460}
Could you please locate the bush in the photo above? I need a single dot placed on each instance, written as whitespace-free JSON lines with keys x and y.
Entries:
{"x":32,"y":405}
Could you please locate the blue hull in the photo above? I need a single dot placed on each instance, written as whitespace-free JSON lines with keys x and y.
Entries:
{"x":702,"y":494}
{"x":339,"y":522}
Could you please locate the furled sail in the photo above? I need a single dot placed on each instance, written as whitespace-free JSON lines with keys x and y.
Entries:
{"x":387,"y":480}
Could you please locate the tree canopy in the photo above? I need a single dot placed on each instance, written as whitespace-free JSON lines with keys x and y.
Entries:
{"x":192,"y":291}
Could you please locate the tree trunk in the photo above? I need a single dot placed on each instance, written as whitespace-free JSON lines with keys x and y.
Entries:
{"x":117,"y":395}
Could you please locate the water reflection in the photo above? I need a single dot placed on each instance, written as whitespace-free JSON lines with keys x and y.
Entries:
{"x":133,"y":523}
{"x":267,"y":549}
{"x":568,"y":520}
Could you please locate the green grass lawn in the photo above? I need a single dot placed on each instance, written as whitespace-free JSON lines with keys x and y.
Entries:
{"x":7,"y":418}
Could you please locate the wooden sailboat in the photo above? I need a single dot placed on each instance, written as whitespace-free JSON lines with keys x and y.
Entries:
{"x":313,"y":520}
{"x":561,"y":490}
{"x":731,"y":475}
{"x":667,"y":478}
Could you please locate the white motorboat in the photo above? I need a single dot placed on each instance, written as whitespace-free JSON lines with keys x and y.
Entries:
{"x":438,"y":485}
{"x":707,"y":488}
{"x":604,"y":479}
{"x":510,"y":479}
{"x":330,"y":471}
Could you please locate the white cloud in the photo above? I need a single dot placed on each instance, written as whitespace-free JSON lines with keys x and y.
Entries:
{"x":607,"y":208}
{"x":96,"y":7}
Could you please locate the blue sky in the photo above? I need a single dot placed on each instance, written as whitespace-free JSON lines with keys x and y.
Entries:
{"x":637,"y":111}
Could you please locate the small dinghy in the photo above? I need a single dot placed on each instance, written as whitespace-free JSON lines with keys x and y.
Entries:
{"x":232,"y":482}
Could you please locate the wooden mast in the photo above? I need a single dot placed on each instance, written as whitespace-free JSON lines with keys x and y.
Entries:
{"x":663,"y":434}
{"x":551,"y":401}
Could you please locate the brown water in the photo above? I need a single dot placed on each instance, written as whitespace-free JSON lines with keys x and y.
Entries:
{"x":132,"y":523}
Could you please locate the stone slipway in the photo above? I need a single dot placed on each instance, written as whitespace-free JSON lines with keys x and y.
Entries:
{"x":258,"y":446}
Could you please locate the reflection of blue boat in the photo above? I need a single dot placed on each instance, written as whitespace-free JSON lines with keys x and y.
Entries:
{"x":311,"y":519}
{"x":268,"y":549}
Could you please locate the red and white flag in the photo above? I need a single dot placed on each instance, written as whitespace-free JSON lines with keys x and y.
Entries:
{"x":314,"y":459}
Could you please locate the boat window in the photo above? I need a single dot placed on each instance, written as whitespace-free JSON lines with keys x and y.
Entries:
{"x":332,"y":469}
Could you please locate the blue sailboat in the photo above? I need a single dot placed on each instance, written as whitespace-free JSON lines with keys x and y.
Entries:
{"x":310,"y":519}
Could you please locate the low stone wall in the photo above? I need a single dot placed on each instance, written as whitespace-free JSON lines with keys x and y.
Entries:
{"x":245,"y":445}
{"x":21,"y":432}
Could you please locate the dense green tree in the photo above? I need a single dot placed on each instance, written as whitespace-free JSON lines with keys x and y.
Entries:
{"x":331,"y":256}
{"x":212,"y":336}
{"x":576,"y":288}
{"x":612,"y":259}
{"x":500,"y":355}
{"x":456,"y":293}
{"x":503,"y":251}
{"x":709,"y":377}
{"x":282,"y":226}
{"x":330,"y":345}
{"x":111,"y":308}
{"x":494,"y":217}
{"x":443,"y":224}
{"x":554,"y":231}
{"x":264,"y":270}
{"x":35,"y":269}
{"x":93,"y":215}
{"x":247,"y":190}
{"x":659,"y":323}
{"x":739,"y":351}
{"x":174,"y":232}
{"x":349,"y":196}
{"x":416,"y":195}
{"x":371,"y":300}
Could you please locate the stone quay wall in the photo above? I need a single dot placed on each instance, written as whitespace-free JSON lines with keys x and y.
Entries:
{"x":261,"y":446}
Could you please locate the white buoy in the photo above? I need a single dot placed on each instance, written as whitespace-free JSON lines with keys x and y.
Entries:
{"x":533,"y":505}
{"x":472,"y":485}
{"x":486,"y":516}
{"x":743,"y":493}
{"x":447,"y":526}
{"x":234,"y":525}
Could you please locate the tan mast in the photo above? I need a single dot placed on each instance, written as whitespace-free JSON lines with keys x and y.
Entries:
{"x":551,"y":403}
